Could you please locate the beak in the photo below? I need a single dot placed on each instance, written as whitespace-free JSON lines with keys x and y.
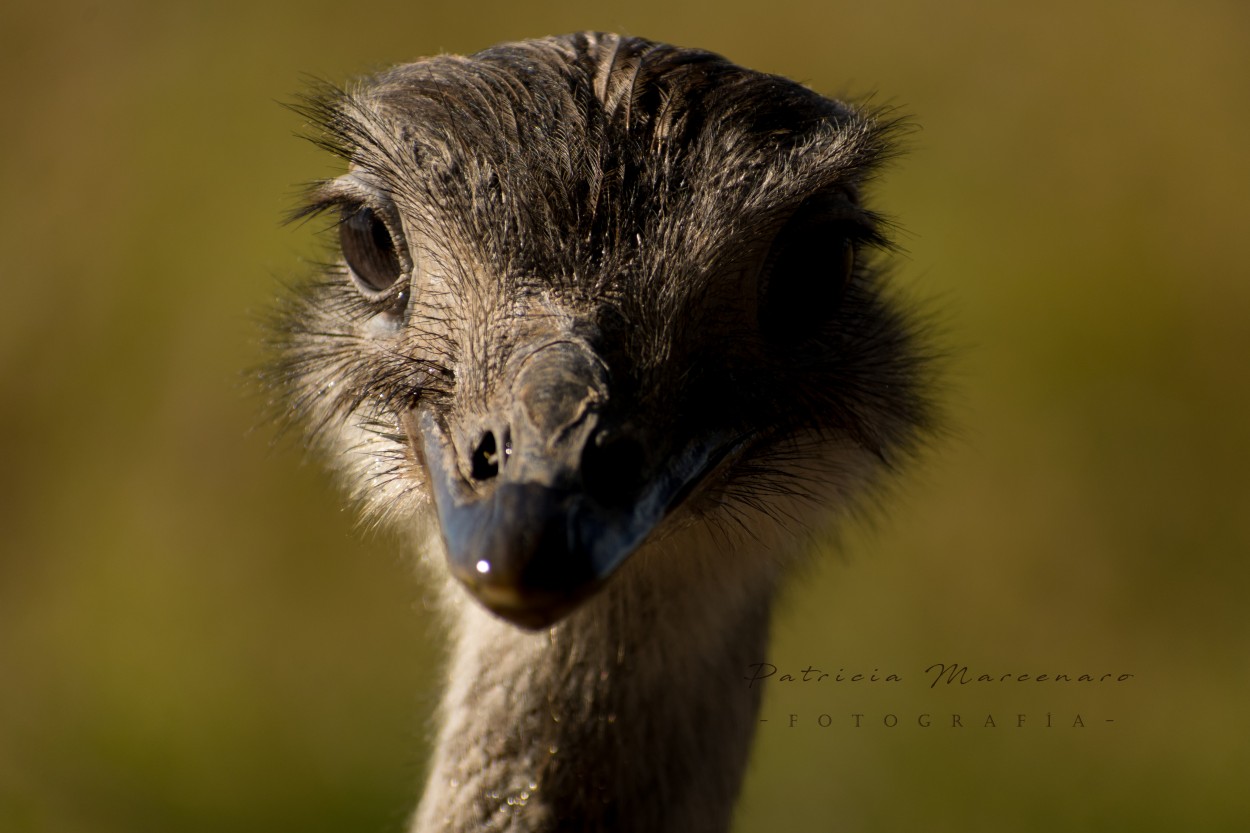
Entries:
{"x":539,"y":502}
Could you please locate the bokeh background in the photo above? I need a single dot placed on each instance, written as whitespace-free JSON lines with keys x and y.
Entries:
{"x":194,"y":636}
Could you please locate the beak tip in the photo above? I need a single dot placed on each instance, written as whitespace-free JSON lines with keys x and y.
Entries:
{"x":522,"y":552}
{"x":524,"y":606}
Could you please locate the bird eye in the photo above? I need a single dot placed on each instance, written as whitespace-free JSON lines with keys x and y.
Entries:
{"x":805,"y":275}
{"x":369,"y":250}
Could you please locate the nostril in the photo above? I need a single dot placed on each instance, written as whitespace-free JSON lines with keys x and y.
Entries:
{"x":486,"y":458}
{"x":612,"y":470}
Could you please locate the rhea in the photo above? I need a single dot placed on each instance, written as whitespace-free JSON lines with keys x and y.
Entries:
{"x":606,"y":327}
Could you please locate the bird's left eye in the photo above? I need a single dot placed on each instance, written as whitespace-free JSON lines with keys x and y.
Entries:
{"x":805,"y":274}
{"x":369,"y":250}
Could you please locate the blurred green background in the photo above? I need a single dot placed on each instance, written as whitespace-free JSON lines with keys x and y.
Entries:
{"x":194,"y":637}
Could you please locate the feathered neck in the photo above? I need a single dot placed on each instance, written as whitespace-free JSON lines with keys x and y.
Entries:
{"x":630,"y":715}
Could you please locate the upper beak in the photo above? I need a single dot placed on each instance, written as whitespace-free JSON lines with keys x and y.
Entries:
{"x":538,"y":501}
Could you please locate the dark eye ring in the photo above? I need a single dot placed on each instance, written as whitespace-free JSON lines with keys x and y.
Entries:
{"x":369,"y":250}
{"x":805,"y":274}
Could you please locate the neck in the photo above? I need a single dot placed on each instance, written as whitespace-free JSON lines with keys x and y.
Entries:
{"x":630,"y":715}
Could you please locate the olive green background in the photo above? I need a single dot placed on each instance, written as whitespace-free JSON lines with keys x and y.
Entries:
{"x":194,"y":636}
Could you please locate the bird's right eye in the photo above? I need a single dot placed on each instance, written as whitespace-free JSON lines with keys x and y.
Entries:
{"x":369,"y":250}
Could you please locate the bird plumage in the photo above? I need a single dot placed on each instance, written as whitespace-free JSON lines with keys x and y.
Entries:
{"x":607,"y":328}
